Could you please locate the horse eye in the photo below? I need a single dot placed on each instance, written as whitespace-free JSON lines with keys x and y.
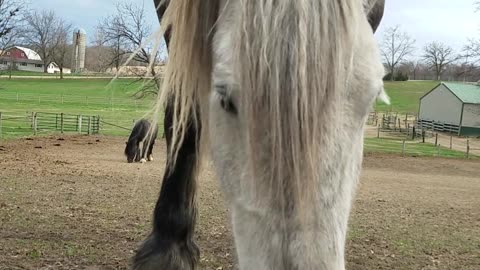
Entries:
{"x":226,"y":101}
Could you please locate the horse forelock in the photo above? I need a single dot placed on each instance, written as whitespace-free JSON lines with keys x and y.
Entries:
{"x":294,"y":62}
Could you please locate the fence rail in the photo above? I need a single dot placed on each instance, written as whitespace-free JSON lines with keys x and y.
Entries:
{"x":37,"y":123}
{"x":72,"y":99}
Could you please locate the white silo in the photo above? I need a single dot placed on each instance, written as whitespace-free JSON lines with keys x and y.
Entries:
{"x":79,"y":47}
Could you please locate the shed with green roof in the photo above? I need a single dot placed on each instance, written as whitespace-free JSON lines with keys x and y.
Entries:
{"x":451,"y":107}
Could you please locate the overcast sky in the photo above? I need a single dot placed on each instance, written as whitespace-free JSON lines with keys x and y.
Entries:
{"x":449,"y":21}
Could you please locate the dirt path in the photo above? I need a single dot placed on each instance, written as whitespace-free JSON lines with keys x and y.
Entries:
{"x":76,"y":204}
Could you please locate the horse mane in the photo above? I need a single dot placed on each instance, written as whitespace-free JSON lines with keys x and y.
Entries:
{"x":293,"y":60}
{"x":187,"y":79}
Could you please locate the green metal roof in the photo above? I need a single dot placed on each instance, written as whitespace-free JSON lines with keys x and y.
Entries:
{"x":467,"y":93}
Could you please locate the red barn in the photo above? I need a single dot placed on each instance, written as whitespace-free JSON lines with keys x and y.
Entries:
{"x":25,"y":59}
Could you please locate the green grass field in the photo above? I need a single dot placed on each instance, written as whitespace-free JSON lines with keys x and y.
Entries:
{"x":113,"y":102}
{"x":6,"y":73}
{"x":404,"y":96}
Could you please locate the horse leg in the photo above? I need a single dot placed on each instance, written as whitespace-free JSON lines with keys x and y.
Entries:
{"x":141,"y":149}
{"x":170,"y":245}
{"x":150,"y":150}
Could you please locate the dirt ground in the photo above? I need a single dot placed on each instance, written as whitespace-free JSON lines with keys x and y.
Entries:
{"x":74,"y":203}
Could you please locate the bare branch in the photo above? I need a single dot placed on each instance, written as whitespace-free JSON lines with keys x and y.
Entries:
{"x":125,"y":32}
{"x":39,"y":33}
{"x":438,"y":56}
{"x":396,"y":47}
{"x":61,"y":46}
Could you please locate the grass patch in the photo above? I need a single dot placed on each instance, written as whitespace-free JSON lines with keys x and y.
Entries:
{"x":404,"y":96}
{"x":412,"y":148}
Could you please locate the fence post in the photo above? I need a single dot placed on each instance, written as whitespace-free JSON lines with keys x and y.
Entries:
{"x":98,"y":124}
{"x":403,"y":148}
{"x":468,"y":149}
{"x":35,"y":124}
{"x":61,"y":121}
{"x":378,"y":131}
{"x":451,"y":138}
{"x":79,"y":124}
{"x":89,"y":125}
{"x":413,"y":132}
{"x":436,"y":139}
{"x":56,"y":121}
{"x":423,"y":135}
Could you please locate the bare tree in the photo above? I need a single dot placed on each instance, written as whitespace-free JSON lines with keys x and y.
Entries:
{"x":39,"y":33}
{"x":126,"y":33}
{"x":396,"y":47}
{"x":438,"y":56}
{"x":60,"y":48}
{"x":99,"y":55}
{"x":10,"y":22}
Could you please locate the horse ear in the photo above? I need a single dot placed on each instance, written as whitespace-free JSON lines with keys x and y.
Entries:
{"x":375,"y":14}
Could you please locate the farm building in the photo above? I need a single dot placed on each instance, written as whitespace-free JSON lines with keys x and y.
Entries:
{"x":451,"y":107}
{"x":25,"y":59}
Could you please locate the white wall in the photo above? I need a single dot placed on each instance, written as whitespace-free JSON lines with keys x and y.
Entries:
{"x":29,"y":67}
{"x":54,"y":69}
{"x":441,"y":105}
{"x":471,"y":115}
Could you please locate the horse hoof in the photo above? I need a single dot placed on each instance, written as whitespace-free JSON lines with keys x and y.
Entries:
{"x":142,"y":160}
{"x":150,"y":158}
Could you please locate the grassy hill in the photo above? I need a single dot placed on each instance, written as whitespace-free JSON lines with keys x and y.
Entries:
{"x":405,"y":96}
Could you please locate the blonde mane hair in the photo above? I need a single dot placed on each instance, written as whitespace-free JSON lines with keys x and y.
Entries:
{"x":292,"y":62}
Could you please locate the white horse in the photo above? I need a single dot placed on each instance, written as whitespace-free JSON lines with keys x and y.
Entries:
{"x":279,"y":90}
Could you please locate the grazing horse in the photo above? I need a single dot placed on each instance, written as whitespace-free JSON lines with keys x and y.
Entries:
{"x":139,"y":146}
{"x":279,"y":92}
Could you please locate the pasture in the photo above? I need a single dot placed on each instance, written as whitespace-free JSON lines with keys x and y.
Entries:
{"x":113,"y":102}
{"x":74,"y":203}
{"x":405,"y":96}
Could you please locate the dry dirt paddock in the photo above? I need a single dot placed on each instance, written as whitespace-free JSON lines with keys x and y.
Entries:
{"x":74,"y":203}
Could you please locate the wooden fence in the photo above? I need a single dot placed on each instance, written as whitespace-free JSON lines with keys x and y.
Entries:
{"x":406,"y":127}
{"x":41,"y":122}
{"x":38,"y":123}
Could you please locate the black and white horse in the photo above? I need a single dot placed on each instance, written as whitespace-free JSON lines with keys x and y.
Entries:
{"x":139,"y":146}
{"x":281,"y":91}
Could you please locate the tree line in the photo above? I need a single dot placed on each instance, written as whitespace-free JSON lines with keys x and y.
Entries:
{"x":438,"y":61}
{"x":120,"y":36}
{"x":124,"y":35}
